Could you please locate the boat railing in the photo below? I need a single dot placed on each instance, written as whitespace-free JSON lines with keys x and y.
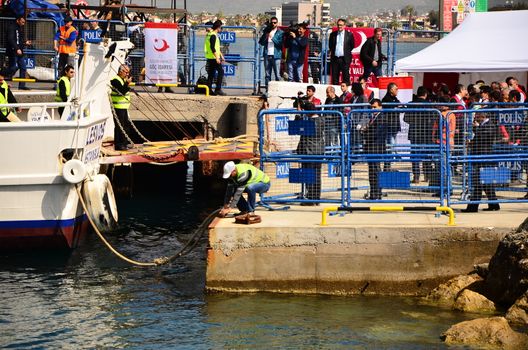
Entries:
{"x":44,"y":111}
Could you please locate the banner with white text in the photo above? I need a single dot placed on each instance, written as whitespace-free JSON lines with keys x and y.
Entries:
{"x":161,"y":53}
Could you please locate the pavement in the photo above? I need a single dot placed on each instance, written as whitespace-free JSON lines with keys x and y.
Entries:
{"x":510,"y":216}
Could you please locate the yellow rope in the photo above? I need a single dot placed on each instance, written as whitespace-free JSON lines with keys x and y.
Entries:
{"x":156,"y":262}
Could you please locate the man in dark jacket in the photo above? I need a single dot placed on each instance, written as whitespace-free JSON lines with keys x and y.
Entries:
{"x":311,"y":144}
{"x":374,"y":136}
{"x":371,"y":56}
{"x":16,"y":43}
{"x":485,"y":135}
{"x":296,"y":42}
{"x":391,"y":120}
{"x":420,"y":133}
{"x":341,"y":44}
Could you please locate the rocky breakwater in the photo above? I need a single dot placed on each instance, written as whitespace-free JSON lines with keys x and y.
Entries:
{"x":498,"y":291}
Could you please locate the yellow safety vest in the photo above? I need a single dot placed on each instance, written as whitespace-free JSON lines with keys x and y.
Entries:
{"x":119,"y":101}
{"x":3,"y":98}
{"x":67,"y":83}
{"x":256,"y":174}
{"x":207,"y":45}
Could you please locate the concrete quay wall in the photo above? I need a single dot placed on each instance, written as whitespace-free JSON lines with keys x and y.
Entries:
{"x":343,"y":260}
{"x":217,"y":110}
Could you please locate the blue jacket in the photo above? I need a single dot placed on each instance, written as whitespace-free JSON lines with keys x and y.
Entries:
{"x":296,"y":49}
{"x":277,"y":42}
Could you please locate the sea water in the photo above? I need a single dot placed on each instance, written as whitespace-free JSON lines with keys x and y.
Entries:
{"x":90,"y":299}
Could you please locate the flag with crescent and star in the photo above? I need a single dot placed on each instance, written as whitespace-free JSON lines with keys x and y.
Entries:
{"x":161,"y":52}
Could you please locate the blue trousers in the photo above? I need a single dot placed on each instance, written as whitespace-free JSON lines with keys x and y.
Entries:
{"x":252,"y":190}
{"x":17,"y":63}
{"x":295,"y":71}
{"x":271,"y":64}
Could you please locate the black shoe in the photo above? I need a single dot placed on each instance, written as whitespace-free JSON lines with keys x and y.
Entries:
{"x":470,"y":209}
{"x":160,"y":89}
{"x":219,"y":93}
{"x":24,"y":88}
{"x":492,"y":207}
{"x":308,"y":204}
{"x":169,"y":90}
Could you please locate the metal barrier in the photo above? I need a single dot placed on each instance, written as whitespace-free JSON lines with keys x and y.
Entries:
{"x":386,"y":146}
{"x":40,"y":55}
{"x":408,"y":42}
{"x":239,"y":45}
{"x":492,"y":157}
{"x":447,"y":210}
{"x":304,"y":163}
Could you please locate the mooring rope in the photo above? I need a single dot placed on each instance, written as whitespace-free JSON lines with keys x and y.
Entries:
{"x":186,"y":249}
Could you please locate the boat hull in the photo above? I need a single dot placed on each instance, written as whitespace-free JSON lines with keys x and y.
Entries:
{"x":43,"y":234}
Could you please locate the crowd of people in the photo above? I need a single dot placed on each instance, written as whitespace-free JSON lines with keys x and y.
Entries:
{"x":477,"y":133}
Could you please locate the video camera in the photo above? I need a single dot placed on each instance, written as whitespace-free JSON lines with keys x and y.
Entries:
{"x":302,"y":101}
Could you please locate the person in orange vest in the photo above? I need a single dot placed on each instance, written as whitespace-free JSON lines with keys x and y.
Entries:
{"x":65,"y":43}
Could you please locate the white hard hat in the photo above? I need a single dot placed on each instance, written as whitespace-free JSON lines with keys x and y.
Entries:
{"x":228,"y":169}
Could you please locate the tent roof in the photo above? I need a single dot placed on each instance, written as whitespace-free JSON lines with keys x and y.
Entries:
{"x":484,"y":42}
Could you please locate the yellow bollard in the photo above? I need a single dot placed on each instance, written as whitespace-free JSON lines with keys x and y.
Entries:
{"x":451,"y":214}
{"x":206,"y":87}
{"x":325,"y":211}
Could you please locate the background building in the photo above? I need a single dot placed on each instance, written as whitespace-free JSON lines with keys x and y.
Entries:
{"x":315,"y":11}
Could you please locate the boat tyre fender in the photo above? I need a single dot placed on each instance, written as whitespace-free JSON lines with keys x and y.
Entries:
{"x":100,"y":202}
{"x":74,"y":171}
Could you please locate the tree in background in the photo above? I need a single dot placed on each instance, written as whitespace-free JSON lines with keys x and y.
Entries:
{"x":409,"y":11}
{"x":432,"y":16}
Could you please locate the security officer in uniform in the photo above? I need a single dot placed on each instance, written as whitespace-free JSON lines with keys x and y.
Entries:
{"x":214,"y":59}
{"x":121,"y":102}
{"x":64,"y":86}
{"x":243,"y":178}
{"x":6,"y":96}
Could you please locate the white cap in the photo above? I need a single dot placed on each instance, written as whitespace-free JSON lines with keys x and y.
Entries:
{"x":228,"y":169}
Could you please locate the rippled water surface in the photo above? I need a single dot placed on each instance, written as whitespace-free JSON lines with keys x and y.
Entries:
{"x":90,"y":299}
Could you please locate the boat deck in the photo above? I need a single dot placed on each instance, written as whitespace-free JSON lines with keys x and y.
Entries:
{"x":182,"y":151}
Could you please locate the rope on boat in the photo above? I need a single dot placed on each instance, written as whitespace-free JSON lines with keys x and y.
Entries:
{"x":186,"y":249}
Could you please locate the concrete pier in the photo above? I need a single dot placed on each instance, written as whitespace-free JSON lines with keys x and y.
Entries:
{"x":393,"y":253}
{"x":219,"y":111}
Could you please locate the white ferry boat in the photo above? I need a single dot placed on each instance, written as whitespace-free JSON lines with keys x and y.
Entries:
{"x":45,"y":156}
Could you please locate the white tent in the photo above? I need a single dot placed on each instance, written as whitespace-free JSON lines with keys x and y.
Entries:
{"x":484,"y":42}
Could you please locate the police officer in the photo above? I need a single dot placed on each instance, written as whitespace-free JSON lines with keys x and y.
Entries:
{"x":64,"y":86}
{"x":6,"y":96}
{"x":214,"y":58}
{"x":243,"y":178}
{"x":121,"y":102}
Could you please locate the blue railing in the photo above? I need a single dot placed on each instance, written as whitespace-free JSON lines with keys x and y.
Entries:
{"x":364,"y":160}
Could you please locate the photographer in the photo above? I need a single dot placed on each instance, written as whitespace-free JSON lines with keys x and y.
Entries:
{"x":296,"y":43}
{"x":312,"y":144}
{"x":271,"y":40}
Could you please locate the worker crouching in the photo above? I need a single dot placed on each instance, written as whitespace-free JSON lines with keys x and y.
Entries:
{"x":243,"y":178}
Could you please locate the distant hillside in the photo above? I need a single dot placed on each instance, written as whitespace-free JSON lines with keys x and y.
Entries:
{"x":338,"y":8}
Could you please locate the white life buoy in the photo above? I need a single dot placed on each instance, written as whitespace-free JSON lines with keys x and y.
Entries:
{"x":74,"y":171}
{"x":100,"y":202}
